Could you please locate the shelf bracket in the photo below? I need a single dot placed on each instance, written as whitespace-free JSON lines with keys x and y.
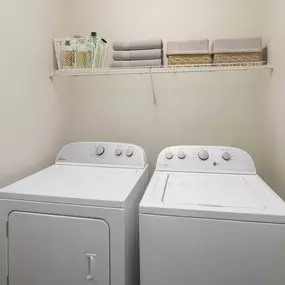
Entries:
{"x":152,"y":86}
{"x":51,"y":73}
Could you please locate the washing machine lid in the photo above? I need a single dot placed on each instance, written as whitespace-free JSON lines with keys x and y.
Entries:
{"x":221,"y":196}
{"x":79,"y":185}
{"x":211,"y":191}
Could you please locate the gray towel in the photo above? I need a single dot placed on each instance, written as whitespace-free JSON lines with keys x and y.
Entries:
{"x":138,"y":45}
{"x":138,"y":54}
{"x":188,"y":47}
{"x":237,"y":45}
{"x":137,"y":63}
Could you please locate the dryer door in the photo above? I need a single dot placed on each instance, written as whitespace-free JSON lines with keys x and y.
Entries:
{"x":57,"y":250}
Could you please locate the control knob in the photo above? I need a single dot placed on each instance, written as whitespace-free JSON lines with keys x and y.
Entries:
{"x":129,"y":153}
{"x":203,"y":154}
{"x":118,"y":152}
{"x":100,"y":150}
{"x":181,"y":155}
{"x":169,"y":155}
{"x":227,"y":156}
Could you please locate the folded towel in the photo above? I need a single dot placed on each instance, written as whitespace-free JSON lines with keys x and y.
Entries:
{"x":188,"y":47}
{"x":138,"y":45}
{"x":138,"y":54}
{"x":237,"y":45}
{"x":137,"y":63}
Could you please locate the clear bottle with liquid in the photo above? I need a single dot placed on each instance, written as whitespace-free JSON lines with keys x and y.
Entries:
{"x":95,"y":38}
{"x":96,"y":48}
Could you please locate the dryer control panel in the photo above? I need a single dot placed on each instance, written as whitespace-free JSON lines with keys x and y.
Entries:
{"x":205,"y":159}
{"x":103,"y":154}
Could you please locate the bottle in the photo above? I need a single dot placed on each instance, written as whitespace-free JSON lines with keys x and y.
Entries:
{"x":95,"y":39}
{"x":104,"y":49}
{"x":96,"y":46}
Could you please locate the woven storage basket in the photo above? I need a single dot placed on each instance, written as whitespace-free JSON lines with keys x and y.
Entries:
{"x":237,"y":57}
{"x":190,"y":59}
{"x":237,"y":50}
{"x":194,"y":52}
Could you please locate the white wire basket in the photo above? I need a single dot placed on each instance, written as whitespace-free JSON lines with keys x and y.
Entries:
{"x":80,"y":53}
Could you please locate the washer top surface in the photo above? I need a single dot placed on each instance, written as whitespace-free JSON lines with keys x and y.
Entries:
{"x":213,"y":190}
{"x":222,"y":184}
{"x":102,"y":181}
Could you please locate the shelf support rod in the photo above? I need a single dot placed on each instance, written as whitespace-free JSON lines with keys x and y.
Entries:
{"x":152,"y":86}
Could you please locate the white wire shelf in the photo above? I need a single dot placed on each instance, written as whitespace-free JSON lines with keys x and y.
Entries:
{"x":169,"y":69}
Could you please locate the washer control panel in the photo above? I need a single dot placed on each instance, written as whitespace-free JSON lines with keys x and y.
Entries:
{"x":205,"y":159}
{"x":103,"y":153}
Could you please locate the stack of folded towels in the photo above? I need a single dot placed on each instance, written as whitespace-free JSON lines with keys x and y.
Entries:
{"x":138,"y":53}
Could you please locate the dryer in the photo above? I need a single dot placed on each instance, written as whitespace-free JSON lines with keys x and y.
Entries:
{"x":207,"y":218}
{"x":75,"y":222}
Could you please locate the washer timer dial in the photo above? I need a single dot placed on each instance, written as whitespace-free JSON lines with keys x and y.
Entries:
{"x":203,"y":154}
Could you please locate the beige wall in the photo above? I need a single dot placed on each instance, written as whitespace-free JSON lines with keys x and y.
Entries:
{"x":199,"y":108}
{"x":275,"y":100}
{"x":37,"y":115}
{"x":31,"y":113}
{"x":202,"y":108}
{"x":169,"y":19}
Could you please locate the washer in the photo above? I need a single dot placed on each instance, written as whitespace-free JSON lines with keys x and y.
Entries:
{"x":75,"y":222}
{"x":207,"y":218}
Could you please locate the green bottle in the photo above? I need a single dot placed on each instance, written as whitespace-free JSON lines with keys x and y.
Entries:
{"x":96,"y":49}
{"x":95,"y":39}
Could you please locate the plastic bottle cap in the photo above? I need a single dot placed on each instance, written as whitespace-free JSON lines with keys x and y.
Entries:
{"x":94,"y":34}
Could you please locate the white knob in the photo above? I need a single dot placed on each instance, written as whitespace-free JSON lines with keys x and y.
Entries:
{"x":169,"y":155}
{"x":203,"y":155}
{"x":118,"y":152}
{"x":100,"y":150}
{"x":181,"y":155}
{"x":227,"y":156}
{"x":129,"y":153}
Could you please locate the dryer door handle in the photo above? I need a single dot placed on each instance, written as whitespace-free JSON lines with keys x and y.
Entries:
{"x":90,"y":267}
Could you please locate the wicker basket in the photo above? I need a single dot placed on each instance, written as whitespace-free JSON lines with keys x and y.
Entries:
{"x":190,"y":59}
{"x":237,"y":57}
{"x":237,"y":50}
{"x":193,"y":52}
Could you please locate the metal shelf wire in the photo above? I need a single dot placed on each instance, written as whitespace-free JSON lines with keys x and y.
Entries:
{"x":161,"y":70}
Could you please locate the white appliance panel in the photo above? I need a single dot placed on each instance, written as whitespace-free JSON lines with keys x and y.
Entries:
{"x":58,"y":250}
{"x":183,"y":251}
